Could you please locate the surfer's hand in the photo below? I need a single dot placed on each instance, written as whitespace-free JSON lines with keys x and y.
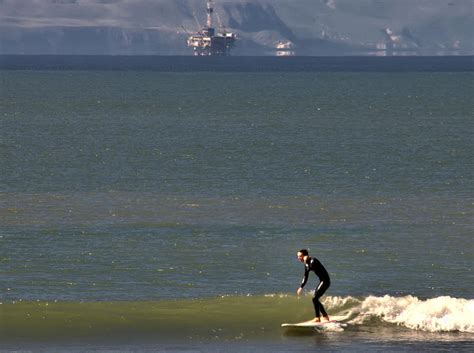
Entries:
{"x":299,"y":290}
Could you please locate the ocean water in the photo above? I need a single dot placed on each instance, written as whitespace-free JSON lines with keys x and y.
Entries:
{"x":162,"y":211}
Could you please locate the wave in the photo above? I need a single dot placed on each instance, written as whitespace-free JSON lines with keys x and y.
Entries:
{"x":227,"y":317}
{"x":441,"y":314}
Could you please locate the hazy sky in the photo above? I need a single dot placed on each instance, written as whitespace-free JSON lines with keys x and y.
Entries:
{"x":33,"y":13}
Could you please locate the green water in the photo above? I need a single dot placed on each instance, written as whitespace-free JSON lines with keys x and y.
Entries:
{"x":146,"y":187}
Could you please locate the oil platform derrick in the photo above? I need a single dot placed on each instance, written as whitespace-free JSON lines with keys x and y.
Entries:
{"x":208,"y":41}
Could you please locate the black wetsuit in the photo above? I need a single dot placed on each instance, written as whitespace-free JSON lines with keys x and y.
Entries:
{"x":313,"y":264}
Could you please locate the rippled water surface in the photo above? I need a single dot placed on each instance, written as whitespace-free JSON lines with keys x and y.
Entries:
{"x":128,"y":195}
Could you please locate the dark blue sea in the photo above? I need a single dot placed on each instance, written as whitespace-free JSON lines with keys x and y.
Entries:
{"x":157,"y":204}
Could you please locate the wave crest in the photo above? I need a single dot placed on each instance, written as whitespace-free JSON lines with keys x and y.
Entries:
{"x":440,"y":314}
{"x":226,"y":316}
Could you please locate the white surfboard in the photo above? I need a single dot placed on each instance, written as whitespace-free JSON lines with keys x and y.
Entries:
{"x":334,"y":322}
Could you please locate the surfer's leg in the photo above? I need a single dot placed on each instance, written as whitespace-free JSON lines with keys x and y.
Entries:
{"x":316,"y":304}
{"x":318,"y":293}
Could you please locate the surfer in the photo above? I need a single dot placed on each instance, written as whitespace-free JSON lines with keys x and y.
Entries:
{"x":313,"y":264}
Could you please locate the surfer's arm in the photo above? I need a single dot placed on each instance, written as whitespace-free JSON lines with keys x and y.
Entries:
{"x":303,"y":282}
{"x":305,"y":278}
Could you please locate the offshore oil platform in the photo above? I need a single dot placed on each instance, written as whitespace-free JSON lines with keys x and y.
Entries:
{"x":208,"y":42}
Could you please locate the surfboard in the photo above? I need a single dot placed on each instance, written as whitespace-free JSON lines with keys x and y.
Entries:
{"x":335,"y":321}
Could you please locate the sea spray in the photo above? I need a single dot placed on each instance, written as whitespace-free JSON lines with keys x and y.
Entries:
{"x":441,"y":314}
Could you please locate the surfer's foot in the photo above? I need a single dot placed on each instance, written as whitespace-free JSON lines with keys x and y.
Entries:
{"x":326,"y":318}
{"x":316,"y":319}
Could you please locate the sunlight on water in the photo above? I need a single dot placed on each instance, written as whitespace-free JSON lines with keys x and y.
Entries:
{"x":129,"y":207}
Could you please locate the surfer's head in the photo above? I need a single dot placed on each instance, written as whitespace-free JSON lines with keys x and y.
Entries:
{"x":302,"y":254}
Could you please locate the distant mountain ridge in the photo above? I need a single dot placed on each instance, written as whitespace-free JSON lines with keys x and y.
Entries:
{"x":315,"y":27}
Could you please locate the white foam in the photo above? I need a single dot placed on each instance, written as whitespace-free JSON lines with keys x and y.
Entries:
{"x":433,"y":315}
{"x":337,"y":302}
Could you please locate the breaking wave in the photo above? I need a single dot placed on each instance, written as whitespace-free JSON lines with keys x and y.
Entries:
{"x":226,"y":317}
{"x":441,"y":314}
